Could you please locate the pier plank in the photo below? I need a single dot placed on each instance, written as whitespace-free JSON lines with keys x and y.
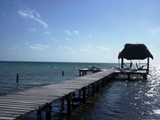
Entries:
{"x":20,"y":104}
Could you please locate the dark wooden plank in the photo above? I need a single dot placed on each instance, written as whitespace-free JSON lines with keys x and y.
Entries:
{"x":22,"y":103}
{"x":6,"y":118}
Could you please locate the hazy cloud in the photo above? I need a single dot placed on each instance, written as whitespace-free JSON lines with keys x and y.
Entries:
{"x":90,"y":36}
{"x":38,"y":46}
{"x":103,"y":48}
{"x":76,"y":32}
{"x":47,"y":32}
{"x":68,"y":48}
{"x":4,"y":13}
{"x":32,"y":29}
{"x":89,"y":45}
{"x":68,"y":39}
{"x":153,"y":31}
{"x":72,"y":52}
{"x":65,"y":47}
{"x":16,"y":47}
{"x":33,"y":14}
{"x":60,"y":47}
{"x":88,"y":51}
{"x":67,"y":31}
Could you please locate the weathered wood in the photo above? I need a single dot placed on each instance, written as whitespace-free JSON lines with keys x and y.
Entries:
{"x":39,"y":115}
{"x":17,"y":78}
{"x":97,"y":86}
{"x":21,"y":104}
{"x":48,"y":109}
{"x":84,"y":94}
{"x":122,"y":62}
{"x":147,"y":65}
{"x":93,"y":89}
{"x":69,"y":105}
{"x":6,"y":118}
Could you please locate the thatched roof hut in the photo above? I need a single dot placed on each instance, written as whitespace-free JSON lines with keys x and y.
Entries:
{"x":135,"y":51}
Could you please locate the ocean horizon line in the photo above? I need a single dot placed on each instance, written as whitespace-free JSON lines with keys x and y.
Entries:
{"x":55,"y":62}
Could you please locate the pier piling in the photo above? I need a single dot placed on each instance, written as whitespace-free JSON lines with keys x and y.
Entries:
{"x":17,"y":78}
{"x":69,"y":105}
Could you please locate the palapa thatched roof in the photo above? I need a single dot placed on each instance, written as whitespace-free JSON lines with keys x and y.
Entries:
{"x":135,"y":51}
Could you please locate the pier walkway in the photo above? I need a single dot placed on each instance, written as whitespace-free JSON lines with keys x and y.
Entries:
{"x":21,"y":104}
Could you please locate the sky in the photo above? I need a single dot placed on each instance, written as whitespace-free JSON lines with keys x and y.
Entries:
{"x":77,"y":30}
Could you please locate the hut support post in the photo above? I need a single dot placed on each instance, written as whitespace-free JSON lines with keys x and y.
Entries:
{"x":122,"y":62}
{"x":147,"y":65}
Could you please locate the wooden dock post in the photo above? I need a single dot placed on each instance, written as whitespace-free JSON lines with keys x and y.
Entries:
{"x":93,"y":89}
{"x":39,"y":115}
{"x":103,"y":82}
{"x":145,"y":76}
{"x":84,"y":94}
{"x":69,"y":108}
{"x":62,"y":104}
{"x":79,"y":73}
{"x":97,"y":86}
{"x":62,"y":73}
{"x":47,"y":109}
{"x":128,"y":76}
{"x":17,"y":77}
{"x":48,"y":113}
{"x":80,"y":93}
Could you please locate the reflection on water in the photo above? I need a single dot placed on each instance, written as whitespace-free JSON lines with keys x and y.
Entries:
{"x":119,"y":100}
{"x":127,"y":100}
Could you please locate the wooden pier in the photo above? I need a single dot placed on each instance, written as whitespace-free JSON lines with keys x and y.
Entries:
{"x":93,"y":69}
{"x":131,"y":72}
{"x":21,"y":104}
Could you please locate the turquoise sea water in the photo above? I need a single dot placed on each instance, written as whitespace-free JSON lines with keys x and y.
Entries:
{"x":120,"y":100}
{"x":39,"y":73}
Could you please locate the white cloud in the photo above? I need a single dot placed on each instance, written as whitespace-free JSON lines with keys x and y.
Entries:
{"x":60,"y":47}
{"x":90,"y":36}
{"x":32,"y":29}
{"x":65,"y":47}
{"x":72,"y":52}
{"x":76,"y":32}
{"x":68,"y":48}
{"x":152,"y":46}
{"x":67,"y":31}
{"x":16,"y":47}
{"x":103,"y":48}
{"x":88,"y":51}
{"x":113,"y":45}
{"x":47,"y":32}
{"x":89,"y":45}
{"x":4,"y":13}
{"x":68,"y":39}
{"x":54,"y":39}
{"x":85,"y":50}
{"x":153,"y":31}
{"x":39,"y":46}
{"x":33,"y":14}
